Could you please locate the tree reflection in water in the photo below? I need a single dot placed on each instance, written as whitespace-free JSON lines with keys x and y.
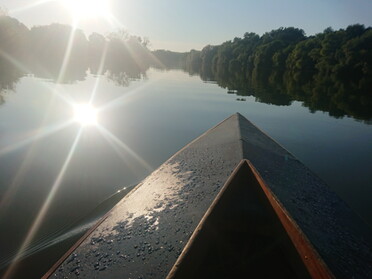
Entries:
{"x":328,"y":72}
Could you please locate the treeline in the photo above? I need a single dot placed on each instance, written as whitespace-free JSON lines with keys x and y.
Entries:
{"x":331,"y":71}
{"x":170,"y":60}
{"x":45,"y":50}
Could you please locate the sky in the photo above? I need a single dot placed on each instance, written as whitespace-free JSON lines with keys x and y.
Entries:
{"x":183,"y":25}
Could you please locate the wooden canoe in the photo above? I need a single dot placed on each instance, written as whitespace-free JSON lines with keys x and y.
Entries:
{"x":161,"y":219}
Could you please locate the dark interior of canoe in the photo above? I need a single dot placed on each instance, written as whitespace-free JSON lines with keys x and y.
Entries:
{"x":247,"y":234}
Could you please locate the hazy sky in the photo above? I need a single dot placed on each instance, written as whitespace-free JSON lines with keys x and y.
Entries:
{"x":182,"y":25}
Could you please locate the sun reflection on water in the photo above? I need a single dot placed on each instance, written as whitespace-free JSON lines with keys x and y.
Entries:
{"x":84,"y":113}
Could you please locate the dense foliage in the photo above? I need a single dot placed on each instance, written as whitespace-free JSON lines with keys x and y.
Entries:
{"x":45,"y":50}
{"x":331,"y":71}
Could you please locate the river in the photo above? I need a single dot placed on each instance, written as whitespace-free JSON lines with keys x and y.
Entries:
{"x":57,"y":176}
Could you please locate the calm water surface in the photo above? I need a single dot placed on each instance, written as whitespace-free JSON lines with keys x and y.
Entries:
{"x":54,"y":173}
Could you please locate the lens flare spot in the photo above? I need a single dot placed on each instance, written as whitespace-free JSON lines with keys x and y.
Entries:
{"x":85,"y":114}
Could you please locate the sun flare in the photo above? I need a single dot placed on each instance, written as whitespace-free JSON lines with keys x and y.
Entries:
{"x":83,"y":9}
{"x":85,"y":115}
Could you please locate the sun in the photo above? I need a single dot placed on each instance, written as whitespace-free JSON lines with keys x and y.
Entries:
{"x":85,"y":114}
{"x":83,"y":9}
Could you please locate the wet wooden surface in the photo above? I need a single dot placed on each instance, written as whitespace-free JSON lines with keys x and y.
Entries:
{"x":145,"y":233}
